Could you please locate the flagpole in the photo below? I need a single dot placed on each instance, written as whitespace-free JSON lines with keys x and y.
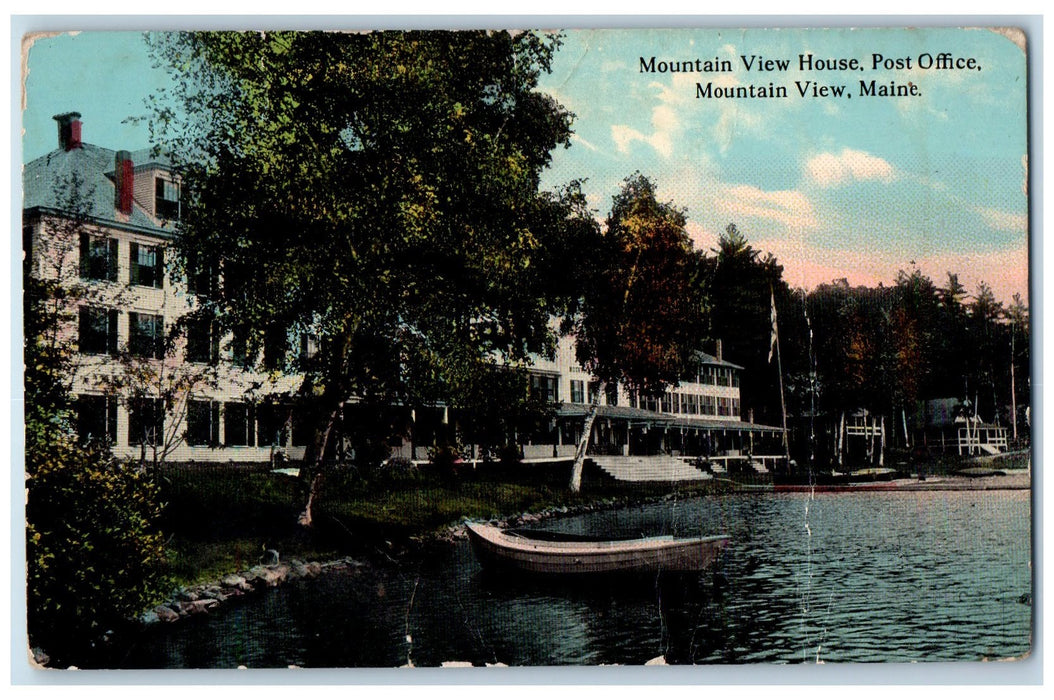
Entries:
{"x":779,"y":369}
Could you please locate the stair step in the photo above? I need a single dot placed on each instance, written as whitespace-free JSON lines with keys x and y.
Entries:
{"x":661,"y":469}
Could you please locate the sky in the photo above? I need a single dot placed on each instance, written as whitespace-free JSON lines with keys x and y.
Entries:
{"x":856,"y":187}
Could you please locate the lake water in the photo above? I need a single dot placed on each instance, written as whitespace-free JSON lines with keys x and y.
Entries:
{"x":923,"y":576}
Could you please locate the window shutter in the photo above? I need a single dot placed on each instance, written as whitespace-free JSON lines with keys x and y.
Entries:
{"x":111,"y":332}
{"x":250,"y":424}
{"x":111,"y":268}
{"x":214,"y":338}
{"x":159,"y":337}
{"x":84,"y":327}
{"x":111,"y":419}
{"x":133,"y":262}
{"x":159,"y":270}
{"x":214,"y":422}
{"x":85,"y":261}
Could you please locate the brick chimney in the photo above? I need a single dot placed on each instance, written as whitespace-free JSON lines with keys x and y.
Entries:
{"x":69,"y":130}
{"x":123,"y":182}
{"x":717,"y":350}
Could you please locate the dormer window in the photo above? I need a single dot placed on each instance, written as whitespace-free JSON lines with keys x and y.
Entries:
{"x":166,"y":199}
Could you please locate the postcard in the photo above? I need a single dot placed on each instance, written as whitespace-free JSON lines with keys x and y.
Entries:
{"x":642,"y":346}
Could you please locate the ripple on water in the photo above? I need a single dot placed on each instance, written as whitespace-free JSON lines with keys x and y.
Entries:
{"x":839,"y":577}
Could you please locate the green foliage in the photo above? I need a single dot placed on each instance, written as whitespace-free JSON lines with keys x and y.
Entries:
{"x":206,"y":502}
{"x":740,"y":285}
{"x":886,"y":348}
{"x":643,"y":311}
{"x":94,"y":553}
{"x":380,"y":191}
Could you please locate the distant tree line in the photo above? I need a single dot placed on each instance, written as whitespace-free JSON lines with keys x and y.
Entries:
{"x":884,"y":349}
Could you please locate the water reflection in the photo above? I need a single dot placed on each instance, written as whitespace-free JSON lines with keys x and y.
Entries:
{"x":839,"y":577}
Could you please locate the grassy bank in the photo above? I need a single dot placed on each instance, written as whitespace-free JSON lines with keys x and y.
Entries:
{"x":220,"y":519}
{"x":401,"y":508}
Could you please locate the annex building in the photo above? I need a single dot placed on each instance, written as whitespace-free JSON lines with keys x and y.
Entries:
{"x":99,"y":221}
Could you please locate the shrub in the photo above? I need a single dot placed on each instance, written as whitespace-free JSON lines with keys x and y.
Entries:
{"x":95,"y":557}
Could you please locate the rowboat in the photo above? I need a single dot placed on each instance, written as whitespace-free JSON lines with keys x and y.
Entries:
{"x":541,"y":552}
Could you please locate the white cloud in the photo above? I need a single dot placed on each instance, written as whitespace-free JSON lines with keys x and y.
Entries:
{"x":578,"y":139}
{"x":788,"y":207}
{"x":667,"y":125}
{"x":1003,"y":220}
{"x":831,"y":170}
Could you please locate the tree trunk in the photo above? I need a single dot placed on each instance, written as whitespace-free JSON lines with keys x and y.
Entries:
{"x":882,"y":442}
{"x":904,"y":419}
{"x":841,"y":434}
{"x":583,"y":444}
{"x":314,"y":460}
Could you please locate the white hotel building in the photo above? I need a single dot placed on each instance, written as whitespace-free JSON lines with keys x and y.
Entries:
{"x":101,"y":220}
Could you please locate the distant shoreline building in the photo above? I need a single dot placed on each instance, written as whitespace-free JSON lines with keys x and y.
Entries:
{"x":101,"y":221}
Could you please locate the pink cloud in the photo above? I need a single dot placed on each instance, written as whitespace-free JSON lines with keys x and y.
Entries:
{"x":1006,"y":272}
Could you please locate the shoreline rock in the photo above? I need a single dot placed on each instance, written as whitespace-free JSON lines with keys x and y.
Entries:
{"x":204,"y":598}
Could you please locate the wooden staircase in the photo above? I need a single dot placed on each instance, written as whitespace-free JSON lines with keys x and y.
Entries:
{"x":662,"y":468}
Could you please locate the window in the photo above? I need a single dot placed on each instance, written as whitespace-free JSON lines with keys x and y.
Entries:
{"x":97,"y":331}
{"x":544,"y":387}
{"x":594,"y":389}
{"x":201,"y":277}
{"x":240,"y":354}
{"x":723,"y":408}
{"x":146,"y":265}
{"x":203,"y":423}
{"x":27,"y":250}
{"x":272,"y":425}
{"x":308,"y":345}
{"x":302,"y":429}
{"x":276,"y":344}
{"x":239,"y":421}
{"x":146,"y":334}
{"x":146,"y":421}
{"x":735,"y":378}
{"x":709,"y":407}
{"x":735,"y":408}
{"x":612,"y":394}
{"x":203,"y":342}
{"x":578,"y":391}
{"x":98,"y":258}
{"x":166,"y":198}
{"x":96,"y":419}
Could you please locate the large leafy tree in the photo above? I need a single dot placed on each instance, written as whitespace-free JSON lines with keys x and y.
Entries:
{"x":378,"y":190}
{"x":643,"y":311}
